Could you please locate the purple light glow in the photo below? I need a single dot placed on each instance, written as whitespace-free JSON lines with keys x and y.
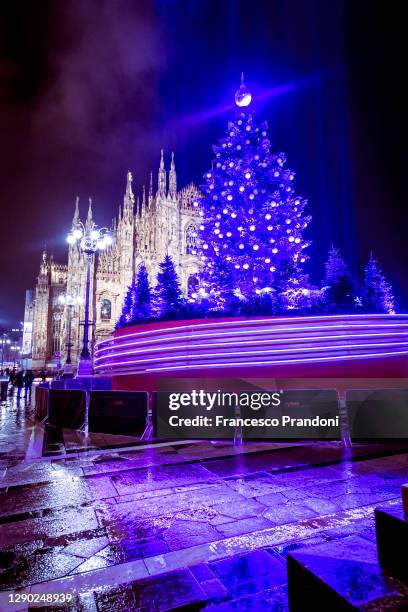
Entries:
{"x":112,"y":351}
{"x":283,"y":362}
{"x":111,"y":357}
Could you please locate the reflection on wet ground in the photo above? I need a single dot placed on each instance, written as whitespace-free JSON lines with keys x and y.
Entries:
{"x":162,"y":526}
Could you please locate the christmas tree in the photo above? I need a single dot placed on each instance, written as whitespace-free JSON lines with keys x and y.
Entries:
{"x":376,"y":293}
{"x":250,"y":235}
{"x":168,"y":293}
{"x":125,"y":317}
{"x":141,"y":305}
{"x":339,"y":289}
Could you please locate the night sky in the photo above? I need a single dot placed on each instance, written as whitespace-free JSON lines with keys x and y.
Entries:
{"x":91,"y":89}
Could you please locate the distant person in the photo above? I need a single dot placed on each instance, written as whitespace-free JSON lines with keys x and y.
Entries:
{"x":12,"y":376}
{"x":43,"y":376}
{"x":28,"y":382}
{"x":19,"y":383}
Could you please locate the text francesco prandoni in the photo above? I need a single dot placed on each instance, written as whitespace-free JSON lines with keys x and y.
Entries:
{"x":221,"y":400}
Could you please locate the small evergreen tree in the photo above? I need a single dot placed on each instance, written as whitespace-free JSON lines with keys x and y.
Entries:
{"x":141,"y":303}
{"x":376,"y":293}
{"x":125,"y":317}
{"x":168,"y":292}
{"x":339,"y":285}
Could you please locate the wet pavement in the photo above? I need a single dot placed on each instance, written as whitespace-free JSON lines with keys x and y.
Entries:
{"x":157,"y":527}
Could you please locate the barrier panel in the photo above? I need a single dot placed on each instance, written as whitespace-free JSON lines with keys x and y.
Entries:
{"x":41,"y":403}
{"x":118,"y":412}
{"x":66,"y":408}
{"x":377,"y":413}
{"x":3,"y":393}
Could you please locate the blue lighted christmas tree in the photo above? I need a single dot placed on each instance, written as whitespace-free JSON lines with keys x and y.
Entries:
{"x":376,"y":293}
{"x":141,"y":308}
{"x":250,"y":235}
{"x":339,"y":287}
{"x":125,"y":317}
{"x":169,"y":297}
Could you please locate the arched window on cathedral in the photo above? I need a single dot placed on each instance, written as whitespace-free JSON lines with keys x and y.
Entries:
{"x":106,"y":310}
{"x":191,"y":239}
{"x":56,"y":332}
{"x":192,"y":284}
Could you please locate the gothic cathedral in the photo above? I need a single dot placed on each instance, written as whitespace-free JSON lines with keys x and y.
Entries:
{"x":162,"y":222}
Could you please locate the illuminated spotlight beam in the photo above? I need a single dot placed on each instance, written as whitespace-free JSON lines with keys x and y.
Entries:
{"x":204,"y":116}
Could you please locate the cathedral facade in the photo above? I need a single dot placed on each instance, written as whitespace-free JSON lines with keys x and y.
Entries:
{"x":163,"y":221}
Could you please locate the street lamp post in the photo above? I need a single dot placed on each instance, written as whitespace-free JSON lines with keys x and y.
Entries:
{"x":70,"y":302}
{"x":4,"y":340}
{"x":90,"y":239}
{"x":15,"y":348}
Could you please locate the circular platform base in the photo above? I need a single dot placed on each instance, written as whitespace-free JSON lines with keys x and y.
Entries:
{"x":261,"y":347}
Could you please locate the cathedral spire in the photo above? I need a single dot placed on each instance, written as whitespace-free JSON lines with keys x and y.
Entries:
{"x":172,"y":178}
{"x":162,"y":177}
{"x":76,"y":212}
{"x":89,"y":217}
{"x":44,"y":261}
{"x":150,"y":196}
{"x":144,"y":198}
{"x":129,"y":199}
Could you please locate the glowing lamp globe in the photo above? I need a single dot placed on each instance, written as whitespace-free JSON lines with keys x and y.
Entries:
{"x":243,"y":96}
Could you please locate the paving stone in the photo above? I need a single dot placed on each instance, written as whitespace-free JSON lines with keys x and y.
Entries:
{"x":272,"y":600}
{"x":321,"y":506}
{"x":46,"y":564}
{"x":161,"y":592}
{"x":86,"y":547}
{"x":288,"y":513}
{"x":55,"y":524}
{"x":55,"y":494}
{"x":282,"y":550}
{"x":214,"y":589}
{"x":241,"y":509}
{"x":202,"y":572}
{"x":340,"y":575}
{"x":260,"y":585}
{"x":40,"y":472}
{"x":183,"y":534}
{"x":246,"y":568}
{"x":243,"y":526}
{"x":136,"y":481}
{"x":247,"y":464}
{"x":271,"y":499}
